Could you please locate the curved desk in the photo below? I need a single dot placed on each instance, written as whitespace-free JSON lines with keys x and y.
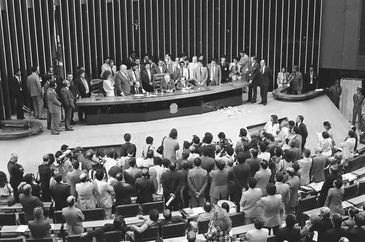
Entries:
{"x":154,"y":106}
{"x":14,"y":129}
{"x":280,"y":94}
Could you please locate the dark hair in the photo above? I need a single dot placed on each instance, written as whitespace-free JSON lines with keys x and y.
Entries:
{"x":196,"y":139}
{"x":207,"y":207}
{"x":157,"y":161}
{"x":127,"y":137}
{"x":279,"y":177}
{"x":29,"y":178}
{"x":358,"y":220}
{"x":221,"y":135}
{"x":167,"y":214}
{"x":220,"y":164}
{"x":352,"y":212}
{"x":243,"y":132}
{"x":185,"y":165}
{"x":338,"y":183}
{"x":258,"y":222}
{"x":352,"y":134}
{"x":326,"y":123}
{"x":263,"y":146}
{"x":150,"y":154}
{"x":34,"y":68}
{"x":336,"y":220}
{"x":325,"y":135}
{"x":229,"y":150}
{"x":118,"y":221}
{"x":3,"y":179}
{"x":119,"y":176}
{"x":278,"y":151}
{"x":254,"y":153}
{"x":166,"y":162}
{"x":149,"y":140}
{"x":241,"y":157}
{"x":154,"y":214}
{"x":52,"y":84}
{"x":301,"y":118}
{"x":208,"y":138}
{"x":132,"y":161}
{"x":252,"y":182}
{"x":83,"y":179}
{"x":307,"y":152}
{"x":291,"y":123}
{"x":290,"y":220}
{"x":225,"y":206}
{"x":296,"y":167}
{"x":275,"y":118}
{"x":173,"y":133}
{"x":58,"y":178}
{"x":76,"y":165}
{"x":99,"y":174}
{"x":71,"y":203}
{"x":105,"y":75}
{"x":264,"y":164}
{"x":172,"y":166}
{"x":145,"y":172}
{"x":270,"y":189}
{"x":197,"y":161}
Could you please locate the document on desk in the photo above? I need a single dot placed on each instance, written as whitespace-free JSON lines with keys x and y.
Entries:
{"x":22,"y":228}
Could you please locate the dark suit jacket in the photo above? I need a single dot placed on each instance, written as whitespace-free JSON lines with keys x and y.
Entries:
{"x":288,"y":234}
{"x":334,"y":234}
{"x":60,"y":192}
{"x":254,"y":165}
{"x":145,"y":189}
{"x":321,"y":226}
{"x":16,"y":174}
{"x":146,"y":80}
{"x":158,"y":71}
{"x":29,"y":203}
{"x":225,"y":70}
{"x":357,"y":234}
{"x":68,"y":99}
{"x":106,"y":228}
{"x":266,"y":77}
{"x":129,"y":62}
{"x":39,"y":229}
{"x":123,"y":193}
{"x":307,"y":80}
{"x":17,"y":89}
{"x":170,"y":182}
{"x":122,"y":83}
{"x":303,"y":131}
{"x":241,"y":174}
{"x":254,"y":73}
{"x":80,"y":87}
{"x":128,"y":148}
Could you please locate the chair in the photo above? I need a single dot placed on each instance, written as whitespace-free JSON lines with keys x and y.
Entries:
{"x":350,"y":192}
{"x":22,"y":218}
{"x":203,"y":226}
{"x":307,"y":203}
{"x":174,"y":230}
{"x":77,"y":238}
{"x":40,"y":240}
{"x":159,"y":81}
{"x":150,"y":234}
{"x":128,"y":210}
{"x":7,"y":219}
{"x":94,"y":214}
{"x":361,"y":188}
{"x":16,"y":239}
{"x":112,"y":236}
{"x":58,"y":217}
{"x":238,"y":219}
{"x":96,"y":86}
{"x":147,"y":207}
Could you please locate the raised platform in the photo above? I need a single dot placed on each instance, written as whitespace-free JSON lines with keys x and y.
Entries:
{"x":146,"y":107}
{"x":14,"y":129}
{"x":281,"y":94}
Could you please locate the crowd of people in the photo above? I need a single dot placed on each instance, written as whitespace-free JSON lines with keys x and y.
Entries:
{"x":260,"y":174}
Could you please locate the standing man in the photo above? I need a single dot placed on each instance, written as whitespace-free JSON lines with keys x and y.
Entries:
{"x":122,"y":82}
{"x":170,"y":184}
{"x":147,"y":77}
{"x":244,"y":63}
{"x":295,"y":80}
{"x":334,"y":93}
{"x":253,"y":79}
{"x":265,"y":81}
{"x":215,"y":73}
{"x":54,"y":108}
{"x":36,"y":93}
{"x":358,"y":99}
{"x":225,"y":69}
{"x":197,"y":182}
{"x":302,"y":130}
{"x":83,"y":89}
{"x":16,"y":172}
{"x":18,"y":93}
{"x":311,"y":80}
{"x":201,"y":74}
{"x":68,"y":104}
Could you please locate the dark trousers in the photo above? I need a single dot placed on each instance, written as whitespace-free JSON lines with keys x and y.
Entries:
{"x":356,"y":112}
{"x":81,"y":114}
{"x":252,"y":92}
{"x":68,"y":117}
{"x":263,"y":93}
{"x":19,"y":107}
{"x":174,"y":205}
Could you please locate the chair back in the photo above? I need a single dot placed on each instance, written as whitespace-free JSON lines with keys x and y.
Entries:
{"x":350,"y":192}
{"x":238,"y":219}
{"x":58,"y":218}
{"x":96,"y":86}
{"x":94,"y":214}
{"x":7,"y":219}
{"x":22,"y":218}
{"x":203,"y":226}
{"x":77,"y":238}
{"x":147,"y":207}
{"x":174,"y":230}
{"x":40,"y":240}
{"x":159,"y":80}
{"x":112,"y":236}
{"x":150,"y":234}
{"x":361,"y":188}
{"x":128,"y":210}
{"x":15,"y":239}
{"x":307,"y":203}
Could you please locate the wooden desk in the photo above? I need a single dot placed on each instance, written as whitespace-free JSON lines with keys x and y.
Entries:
{"x":137,"y":221}
{"x":235,"y":231}
{"x":356,"y":201}
{"x":156,"y":197}
{"x":359,"y":172}
{"x":317,"y":211}
{"x":199,"y":238}
{"x":19,"y":207}
{"x":349,"y":178}
{"x":13,"y":229}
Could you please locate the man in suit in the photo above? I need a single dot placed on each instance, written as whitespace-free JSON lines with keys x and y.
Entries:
{"x":302,"y":130}
{"x":294,"y":184}
{"x":122,"y":82}
{"x":39,"y":227}
{"x":16,"y":172}
{"x":241,"y":173}
{"x":244,"y":63}
{"x":36,"y":92}
{"x":17,"y":90}
{"x":135,"y":76}
{"x":283,"y":189}
{"x":170,"y":184}
{"x":73,"y":217}
{"x":311,"y":80}
{"x":83,"y":88}
{"x":322,"y":224}
{"x":358,"y":99}
{"x":73,"y":177}
{"x":130,"y":60}
{"x":201,"y":75}
{"x":197,"y":182}
{"x":54,"y":108}
{"x":145,"y":188}
{"x":266,"y":76}
{"x":253,"y":79}
{"x":295,"y":80}
{"x":123,"y":191}
{"x":68,"y":103}
{"x":318,"y":164}
{"x":161,"y":67}
{"x":215,"y":73}
{"x":59,"y":192}
{"x":29,"y":202}
{"x":249,"y":199}
{"x":147,"y":78}
{"x":225,"y":69}
{"x":128,"y":148}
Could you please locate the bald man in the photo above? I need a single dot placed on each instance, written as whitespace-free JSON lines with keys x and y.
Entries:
{"x":16,"y":172}
{"x":73,"y":216}
{"x":122,"y":82}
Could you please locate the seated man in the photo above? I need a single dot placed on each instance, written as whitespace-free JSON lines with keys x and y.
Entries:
{"x":169,"y":219}
{"x":39,"y":227}
{"x":149,"y":222}
{"x":259,"y":233}
{"x":117,"y":225}
{"x":207,"y":215}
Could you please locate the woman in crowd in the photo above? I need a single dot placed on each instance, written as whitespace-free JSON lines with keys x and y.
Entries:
{"x":328,"y":128}
{"x":108,"y":83}
{"x":105,"y":193}
{"x":170,"y":146}
{"x":335,"y":197}
{"x":326,"y":144}
{"x":348,"y":146}
{"x":6,"y":191}
{"x":219,"y":227}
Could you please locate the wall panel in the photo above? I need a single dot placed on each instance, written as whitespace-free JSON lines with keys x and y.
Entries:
{"x":284,"y":32}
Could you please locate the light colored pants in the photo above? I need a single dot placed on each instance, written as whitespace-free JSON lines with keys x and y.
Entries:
{"x":37,"y":106}
{"x":55,"y":122}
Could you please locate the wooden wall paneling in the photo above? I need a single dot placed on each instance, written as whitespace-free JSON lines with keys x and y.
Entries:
{"x":8,"y":42}
{"x":40,"y":22}
{"x":80,"y":29}
{"x":145,"y":7}
{"x":4,"y":68}
{"x":307,"y":35}
{"x":313,"y":29}
{"x":238,"y":26}
{"x":319,"y":36}
{"x":275,"y":43}
{"x":26,"y":58}
{"x":294,"y":31}
{"x":13,"y":23}
{"x":301,"y":33}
